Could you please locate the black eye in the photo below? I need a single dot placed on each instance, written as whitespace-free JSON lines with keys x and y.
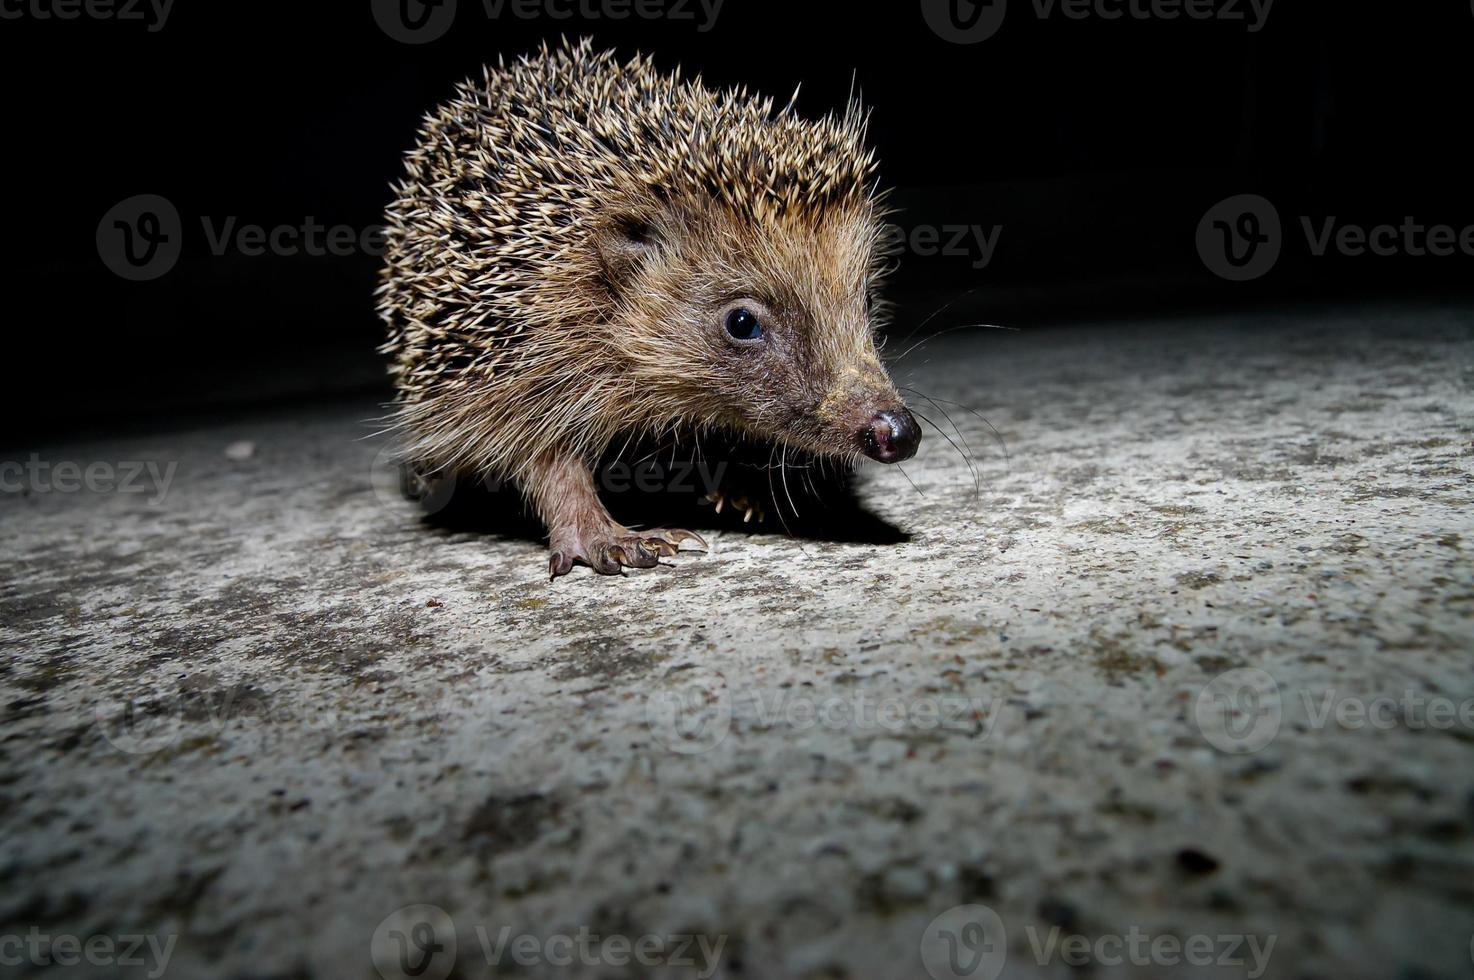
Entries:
{"x":743,"y":324}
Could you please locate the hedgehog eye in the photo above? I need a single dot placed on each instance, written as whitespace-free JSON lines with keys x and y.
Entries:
{"x":743,"y":324}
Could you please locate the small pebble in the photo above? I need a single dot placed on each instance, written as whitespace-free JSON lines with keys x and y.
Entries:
{"x":1195,"y":862}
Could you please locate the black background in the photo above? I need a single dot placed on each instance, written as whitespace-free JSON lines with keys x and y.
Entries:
{"x":1097,"y":145}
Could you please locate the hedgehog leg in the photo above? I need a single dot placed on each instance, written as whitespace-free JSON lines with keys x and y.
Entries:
{"x":580,"y":530}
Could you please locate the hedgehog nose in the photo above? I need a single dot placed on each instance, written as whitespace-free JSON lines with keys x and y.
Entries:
{"x":892,"y":436}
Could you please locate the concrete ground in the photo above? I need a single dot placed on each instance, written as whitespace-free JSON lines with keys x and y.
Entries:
{"x":1186,"y":690}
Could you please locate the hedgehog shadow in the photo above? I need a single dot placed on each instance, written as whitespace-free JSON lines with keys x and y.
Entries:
{"x":826,"y":510}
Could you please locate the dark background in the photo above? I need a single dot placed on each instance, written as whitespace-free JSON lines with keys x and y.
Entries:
{"x":1097,"y":145}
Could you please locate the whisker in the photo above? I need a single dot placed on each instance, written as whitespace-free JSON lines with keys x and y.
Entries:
{"x":967,"y":446}
{"x":940,"y":310}
{"x":971,"y":466}
{"x":809,"y":481}
{"x":909,"y":480}
{"x":783,"y":470}
{"x":1002,"y":444}
{"x":943,"y":333}
{"x":624,"y":448}
{"x":945,"y":414}
{"x":778,"y":504}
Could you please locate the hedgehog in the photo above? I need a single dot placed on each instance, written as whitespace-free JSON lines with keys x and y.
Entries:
{"x":585,"y":251}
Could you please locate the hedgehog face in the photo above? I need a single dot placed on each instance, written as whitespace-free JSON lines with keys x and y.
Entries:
{"x":761,"y":325}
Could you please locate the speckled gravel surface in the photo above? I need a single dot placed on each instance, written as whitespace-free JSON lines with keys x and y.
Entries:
{"x":1194,"y":670}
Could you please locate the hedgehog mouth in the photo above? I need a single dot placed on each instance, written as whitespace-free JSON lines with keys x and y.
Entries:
{"x":888,"y":435}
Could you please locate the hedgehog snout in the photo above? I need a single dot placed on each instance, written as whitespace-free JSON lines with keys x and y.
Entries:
{"x":892,"y":436}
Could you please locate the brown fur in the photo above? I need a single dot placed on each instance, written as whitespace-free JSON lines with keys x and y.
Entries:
{"x":564,"y":248}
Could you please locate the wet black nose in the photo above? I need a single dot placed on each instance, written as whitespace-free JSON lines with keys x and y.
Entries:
{"x":892,"y":436}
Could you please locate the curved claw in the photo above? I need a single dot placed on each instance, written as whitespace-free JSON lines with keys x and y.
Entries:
{"x":610,"y":556}
{"x":676,"y":537}
{"x":640,"y":555}
{"x":609,"y":560}
{"x":748,"y":507}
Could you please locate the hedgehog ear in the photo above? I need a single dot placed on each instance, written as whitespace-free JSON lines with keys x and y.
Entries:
{"x":624,"y":246}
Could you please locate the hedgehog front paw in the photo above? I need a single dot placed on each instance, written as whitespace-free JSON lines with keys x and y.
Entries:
{"x":610,"y":550}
